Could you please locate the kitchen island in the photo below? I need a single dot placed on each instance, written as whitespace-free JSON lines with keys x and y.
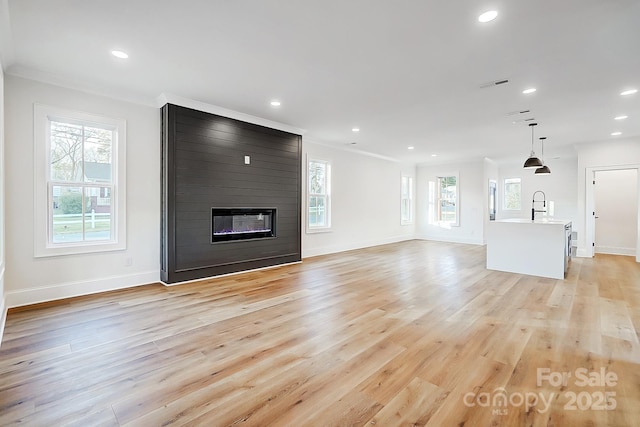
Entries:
{"x":538,"y":248}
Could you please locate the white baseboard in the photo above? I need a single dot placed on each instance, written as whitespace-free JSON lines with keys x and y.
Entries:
{"x":3,"y":305}
{"x":611,"y":250}
{"x":342,"y":247}
{"x":69,"y":290}
{"x":583,"y":253}
{"x":466,"y":241}
{"x":3,"y":317}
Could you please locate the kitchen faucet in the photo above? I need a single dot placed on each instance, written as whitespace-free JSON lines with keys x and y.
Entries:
{"x":533,"y":203}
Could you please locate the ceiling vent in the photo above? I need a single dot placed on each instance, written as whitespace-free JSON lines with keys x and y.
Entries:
{"x":494,"y":83}
{"x":514,"y":113}
{"x":517,"y":116}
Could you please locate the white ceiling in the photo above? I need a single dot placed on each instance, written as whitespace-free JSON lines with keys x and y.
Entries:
{"x":406,"y":73}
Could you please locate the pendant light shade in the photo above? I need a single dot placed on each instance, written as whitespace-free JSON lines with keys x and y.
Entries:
{"x":532,"y":162}
{"x":544,"y":170}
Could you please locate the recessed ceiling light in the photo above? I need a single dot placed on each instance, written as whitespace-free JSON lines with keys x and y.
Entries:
{"x":616,"y":133}
{"x":119,"y":54}
{"x":530,"y":90}
{"x":434,"y":155}
{"x":355,"y":130}
{"x":620,"y":117}
{"x":411,"y":147}
{"x":629,"y":92}
{"x":275,"y":103}
{"x":488,"y":16}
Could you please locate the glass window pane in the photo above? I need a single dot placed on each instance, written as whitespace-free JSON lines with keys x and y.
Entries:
{"x":317,"y":211}
{"x":66,"y":151}
{"x":66,"y":214}
{"x":97,"y":154}
{"x":313,"y":211}
{"x":448,"y":196}
{"x":97,"y":219}
{"x":405,"y":187}
{"x":405,"y":210}
{"x":318,"y":194}
{"x":321,"y":218}
{"x":512,"y":193}
{"x":317,"y":178}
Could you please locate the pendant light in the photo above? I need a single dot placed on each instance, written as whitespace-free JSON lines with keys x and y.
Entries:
{"x":532,"y":162}
{"x":544,"y":170}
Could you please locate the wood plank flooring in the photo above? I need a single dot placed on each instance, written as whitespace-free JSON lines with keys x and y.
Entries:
{"x":416,"y":333}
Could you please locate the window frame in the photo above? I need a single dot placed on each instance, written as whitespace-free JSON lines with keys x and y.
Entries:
{"x":409,"y":180}
{"x":439,"y":199}
{"x":43,"y":233}
{"x":504,"y":194}
{"x":326,"y":195}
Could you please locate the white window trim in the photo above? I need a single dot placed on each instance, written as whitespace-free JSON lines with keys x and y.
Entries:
{"x":42,"y":245}
{"x":411,"y":202}
{"x":325,"y":229}
{"x":504,"y":194}
{"x":445,"y":223}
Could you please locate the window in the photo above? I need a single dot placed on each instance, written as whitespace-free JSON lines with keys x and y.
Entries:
{"x":512,"y":194}
{"x":319,"y":195}
{"x":80,"y":200}
{"x":446,"y":209}
{"x":406,"y":206}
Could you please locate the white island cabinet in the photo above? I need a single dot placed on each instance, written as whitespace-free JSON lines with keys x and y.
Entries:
{"x":537,"y":248}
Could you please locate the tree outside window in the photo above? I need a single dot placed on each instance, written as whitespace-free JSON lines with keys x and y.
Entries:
{"x":80,"y":172}
{"x":448,"y":200}
{"x":512,"y":194}
{"x":318,"y":209}
{"x":80,"y":182}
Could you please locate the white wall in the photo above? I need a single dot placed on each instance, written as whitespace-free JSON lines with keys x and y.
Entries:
{"x":29,"y":280}
{"x":621,"y":154}
{"x":365,"y":201}
{"x":3,"y":306}
{"x":560,"y":187}
{"x":471,"y":192}
{"x":616,"y":206}
{"x":365,"y":198}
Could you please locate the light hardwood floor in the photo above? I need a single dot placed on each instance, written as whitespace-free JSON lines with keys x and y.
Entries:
{"x":415,"y":333}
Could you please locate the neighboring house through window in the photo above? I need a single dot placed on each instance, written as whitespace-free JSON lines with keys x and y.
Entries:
{"x":444,"y":207}
{"x":80,"y":165}
{"x":448,"y":200}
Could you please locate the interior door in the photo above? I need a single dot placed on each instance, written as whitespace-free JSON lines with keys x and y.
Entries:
{"x":616,"y":211}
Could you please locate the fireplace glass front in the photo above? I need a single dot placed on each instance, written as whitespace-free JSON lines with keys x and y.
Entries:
{"x":242,"y":224}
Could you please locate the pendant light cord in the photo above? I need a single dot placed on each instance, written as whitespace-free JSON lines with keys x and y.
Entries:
{"x":532,"y":125}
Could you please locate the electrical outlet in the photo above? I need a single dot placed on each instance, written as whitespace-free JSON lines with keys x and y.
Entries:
{"x":128,"y":261}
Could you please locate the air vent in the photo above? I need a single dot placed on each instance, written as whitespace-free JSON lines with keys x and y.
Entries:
{"x":513,"y":113}
{"x":494,"y":83}
{"x":530,"y":119}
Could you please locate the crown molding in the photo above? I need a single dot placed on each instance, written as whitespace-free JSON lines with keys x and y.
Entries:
{"x":167,"y":98}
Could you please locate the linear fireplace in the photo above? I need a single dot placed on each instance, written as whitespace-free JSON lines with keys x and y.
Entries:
{"x":231,"y":224}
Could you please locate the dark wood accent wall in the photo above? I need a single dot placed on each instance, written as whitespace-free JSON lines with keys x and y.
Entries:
{"x":203,"y":166}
